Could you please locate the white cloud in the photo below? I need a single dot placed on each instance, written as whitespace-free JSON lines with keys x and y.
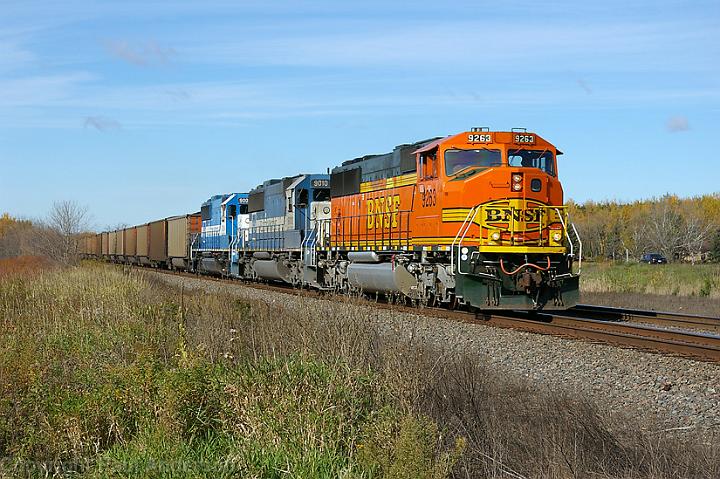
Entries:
{"x":101,"y":123}
{"x":143,"y":54}
{"x":677,"y":124}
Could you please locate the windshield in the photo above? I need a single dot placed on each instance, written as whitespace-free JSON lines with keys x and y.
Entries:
{"x":541,"y":159}
{"x":321,"y":194}
{"x":471,"y":160}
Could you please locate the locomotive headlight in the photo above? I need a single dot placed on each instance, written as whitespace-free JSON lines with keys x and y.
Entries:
{"x":464,"y":250}
{"x":557,"y":237}
{"x":495,"y":236}
{"x":517,"y":179}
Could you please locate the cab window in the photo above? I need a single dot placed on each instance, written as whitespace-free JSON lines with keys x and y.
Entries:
{"x":302,"y":197}
{"x":540,"y":159}
{"x":470,"y":161}
{"x":321,"y":194}
{"x":428,"y":164}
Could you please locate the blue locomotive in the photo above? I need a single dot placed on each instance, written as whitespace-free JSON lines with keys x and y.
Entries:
{"x":269,"y":234}
{"x":225,"y":221}
{"x":284,"y":218}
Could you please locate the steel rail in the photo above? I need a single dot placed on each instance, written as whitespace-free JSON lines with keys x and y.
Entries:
{"x":660,"y":318}
{"x":697,"y":345}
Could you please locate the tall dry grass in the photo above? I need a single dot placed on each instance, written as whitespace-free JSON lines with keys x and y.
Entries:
{"x":105,"y":373}
{"x":505,"y":426}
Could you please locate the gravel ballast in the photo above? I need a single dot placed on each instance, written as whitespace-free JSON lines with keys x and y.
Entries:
{"x":668,"y":394}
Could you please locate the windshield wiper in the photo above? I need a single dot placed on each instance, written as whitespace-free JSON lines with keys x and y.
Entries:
{"x":468,"y":173}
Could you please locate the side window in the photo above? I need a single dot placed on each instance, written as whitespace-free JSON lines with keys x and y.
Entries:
{"x":428,"y":164}
{"x":205,"y":212}
{"x":303,"y":197}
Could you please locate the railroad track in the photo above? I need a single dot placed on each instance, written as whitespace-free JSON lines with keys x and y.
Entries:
{"x":585,"y":322}
{"x":678,"y":320}
{"x":696,"y":345}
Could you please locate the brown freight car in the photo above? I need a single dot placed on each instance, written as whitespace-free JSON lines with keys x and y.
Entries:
{"x":157,"y":243}
{"x":112,"y":244}
{"x":180,"y":231}
{"x":130,"y":235}
{"x":97,"y":245}
{"x":120,"y":246}
{"x":142,"y":244}
{"x":105,"y":250}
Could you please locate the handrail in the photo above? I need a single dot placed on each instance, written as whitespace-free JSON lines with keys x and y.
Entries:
{"x":194,"y":238}
{"x":570,"y":241}
{"x":567,"y":233}
{"x":464,"y":228}
{"x":308,"y":243}
{"x":347,"y":230}
{"x":580,"y":247}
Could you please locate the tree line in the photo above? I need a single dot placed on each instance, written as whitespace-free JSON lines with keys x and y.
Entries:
{"x":55,"y":236}
{"x":681,"y":229}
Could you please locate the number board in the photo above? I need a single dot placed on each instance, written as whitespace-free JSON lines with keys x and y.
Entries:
{"x":524,"y":139}
{"x":479,"y":138}
{"x":320,"y":183}
{"x":242,"y":201}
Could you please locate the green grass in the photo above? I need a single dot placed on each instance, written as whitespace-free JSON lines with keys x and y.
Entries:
{"x":701,"y":280}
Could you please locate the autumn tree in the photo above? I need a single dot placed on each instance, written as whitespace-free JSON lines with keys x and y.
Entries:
{"x":678,"y":228}
{"x":58,"y":236}
{"x":12,"y":235}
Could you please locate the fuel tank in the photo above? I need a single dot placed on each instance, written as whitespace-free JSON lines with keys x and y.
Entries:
{"x":210,"y":265}
{"x":381,"y":278}
{"x":273,"y":270}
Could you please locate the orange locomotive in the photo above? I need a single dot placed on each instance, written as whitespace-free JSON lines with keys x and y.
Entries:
{"x":476,"y":218}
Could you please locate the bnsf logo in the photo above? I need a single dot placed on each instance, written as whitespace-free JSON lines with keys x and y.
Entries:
{"x":382,"y":212}
{"x":529,"y":215}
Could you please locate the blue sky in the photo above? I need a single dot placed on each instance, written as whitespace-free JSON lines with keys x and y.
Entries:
{"x":141,"y":110}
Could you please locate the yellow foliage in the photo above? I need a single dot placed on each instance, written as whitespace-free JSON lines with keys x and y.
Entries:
{"x":7,"y":222}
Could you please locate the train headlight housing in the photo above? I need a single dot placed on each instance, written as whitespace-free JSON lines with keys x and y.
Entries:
{"x":557,"y":237}
{"x":495,"y":236}
{"x":517,"y":180}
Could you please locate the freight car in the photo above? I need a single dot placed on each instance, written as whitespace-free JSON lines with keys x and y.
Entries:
{"x":474,"y":219}
{"x":130,"y":240}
